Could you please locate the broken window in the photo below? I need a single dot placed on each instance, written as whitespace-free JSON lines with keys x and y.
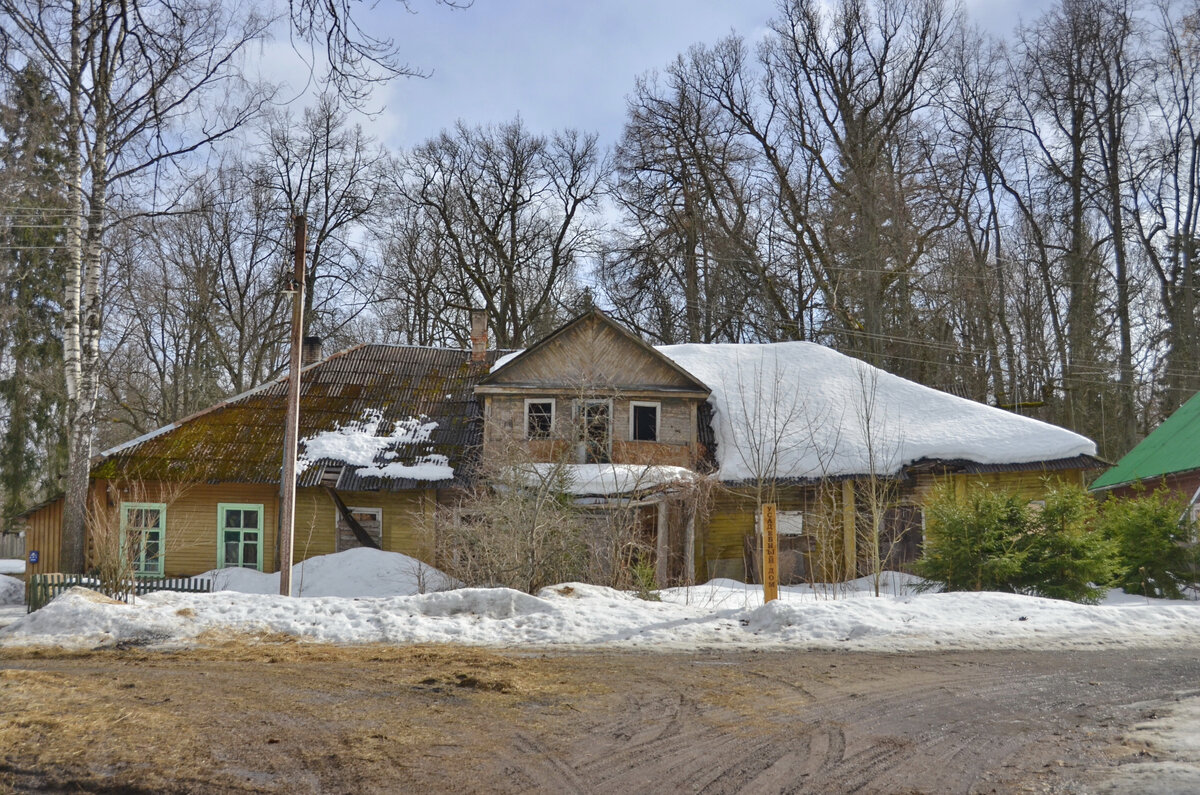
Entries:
{"x":539,"y":419}
{"x":596,"y":422}
{"x":643,"y":420}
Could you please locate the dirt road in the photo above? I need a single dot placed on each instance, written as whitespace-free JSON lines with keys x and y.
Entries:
{"x":282,"y":716}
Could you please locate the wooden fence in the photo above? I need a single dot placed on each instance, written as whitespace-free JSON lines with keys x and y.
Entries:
{"x":12,"y":545}
{"x":44,"y":587}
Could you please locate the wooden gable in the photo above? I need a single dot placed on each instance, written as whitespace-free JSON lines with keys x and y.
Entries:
{"x":593,"y":352}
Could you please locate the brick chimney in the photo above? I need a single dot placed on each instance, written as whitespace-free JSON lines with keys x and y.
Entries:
{"x":479,"y":335}
{"x":310,"y":351}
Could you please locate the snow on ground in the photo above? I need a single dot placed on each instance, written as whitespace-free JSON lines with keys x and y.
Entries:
{"x":831,"y":414}
{"x":12,"y":591}
{"x":1174,"y":742}
{"x":12,"y":566}
{"x":355,"y":572}
{"x":723,"y":613}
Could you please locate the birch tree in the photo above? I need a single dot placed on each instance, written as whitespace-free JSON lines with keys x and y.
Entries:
{"x":144,"y":83}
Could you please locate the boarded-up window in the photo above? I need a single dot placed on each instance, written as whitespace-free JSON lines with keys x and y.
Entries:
{"x":370,"y":519}
{"x":902,"y":537}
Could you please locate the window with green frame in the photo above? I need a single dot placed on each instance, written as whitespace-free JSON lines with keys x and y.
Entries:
{"x":239,"y":536}
{"x":143,"y":536}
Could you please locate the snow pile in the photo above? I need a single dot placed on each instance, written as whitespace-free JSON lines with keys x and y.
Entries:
{"x":723,"y":613}
{"x":605,"y":479}
{"x":823,"y":413}
{"x":12,"y":591}
{"x":1175,"y":736}
{"x":12,"y":566}
{"x":353,"y":573}
{"x":359,"y":444}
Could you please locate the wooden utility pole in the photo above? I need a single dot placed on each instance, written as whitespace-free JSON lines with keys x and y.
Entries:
{"x":287,"y":506}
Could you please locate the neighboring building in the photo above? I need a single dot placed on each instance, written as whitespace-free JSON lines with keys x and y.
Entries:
{"x":691,"y":437}
{"x":1169,"y":456}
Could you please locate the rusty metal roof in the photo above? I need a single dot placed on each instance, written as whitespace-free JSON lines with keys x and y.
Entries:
{"x":241,"y":439}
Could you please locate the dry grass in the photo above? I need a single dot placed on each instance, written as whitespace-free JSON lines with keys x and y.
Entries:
{"x":250,"y":713}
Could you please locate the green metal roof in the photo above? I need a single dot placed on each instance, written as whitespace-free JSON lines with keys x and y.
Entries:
{"x":1173,"y":446}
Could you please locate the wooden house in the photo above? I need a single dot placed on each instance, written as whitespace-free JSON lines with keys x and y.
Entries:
{"x":688,"y":439}
{"x":847,"y":452}
{"x":203,"y":492}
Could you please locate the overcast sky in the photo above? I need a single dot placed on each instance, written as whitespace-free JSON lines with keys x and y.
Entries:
{"x":557,"y":63}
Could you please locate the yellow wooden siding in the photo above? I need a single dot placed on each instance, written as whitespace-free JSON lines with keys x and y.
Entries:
{"x":191,"y":537}
{"x":405,"y":515}
{"x":1030,"y":484}
{"x":191,"y":523}
{"x":721,"y":536}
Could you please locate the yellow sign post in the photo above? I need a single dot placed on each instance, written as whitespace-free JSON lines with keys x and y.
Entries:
{"x":770,"y":553}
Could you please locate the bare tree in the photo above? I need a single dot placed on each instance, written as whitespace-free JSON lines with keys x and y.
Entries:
{"x":334,"y":175}
{"x":143,"y":84}
{"x":685,"y":183}
{"x":512,"y":213}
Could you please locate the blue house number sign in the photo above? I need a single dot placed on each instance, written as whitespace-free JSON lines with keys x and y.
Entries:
{"x":33,"y":556}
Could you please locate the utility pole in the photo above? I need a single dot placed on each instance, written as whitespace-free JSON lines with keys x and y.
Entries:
{"x":287,"y":507}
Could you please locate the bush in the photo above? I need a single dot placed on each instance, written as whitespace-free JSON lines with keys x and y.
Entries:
{"x":1154,"y":541}
{"x":996,"y":541}
{"x":1065,"y":556}
{"x":971,"y":544}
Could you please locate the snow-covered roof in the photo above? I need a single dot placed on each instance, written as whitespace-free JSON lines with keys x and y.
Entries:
{"x":361,"y":445}
{"x":598,"y":480}
{"x":800,"y":410}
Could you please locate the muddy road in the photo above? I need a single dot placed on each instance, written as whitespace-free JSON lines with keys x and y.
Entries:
{"x":280,"y":716}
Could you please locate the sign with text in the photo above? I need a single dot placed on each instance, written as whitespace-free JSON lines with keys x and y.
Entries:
{"x":34,"y":556}
{"x":770,"y":552}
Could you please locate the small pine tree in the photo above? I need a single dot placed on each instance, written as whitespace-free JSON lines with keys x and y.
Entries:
{"x":991,"y":540}
{"x":971,"y":543}
{"x":1065,"y":557}
{"x":1155,"y":543}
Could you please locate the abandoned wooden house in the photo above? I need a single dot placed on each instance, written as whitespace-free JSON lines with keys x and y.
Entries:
{"x":693,"y":438}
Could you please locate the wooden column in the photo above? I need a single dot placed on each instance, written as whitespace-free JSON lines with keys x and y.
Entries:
{"x":849,"y":537}
{"x":662,"y":549}
{"x":689,"y":549}
{"x":287,"y":502}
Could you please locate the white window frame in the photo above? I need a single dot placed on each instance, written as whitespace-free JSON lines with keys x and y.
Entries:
{"x":657,"y":406}
{"x":787,"y":523}
{"x":553,"y":416}
{"x":337,"y":518}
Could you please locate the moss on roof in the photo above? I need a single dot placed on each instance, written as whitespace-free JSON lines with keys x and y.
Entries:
{"x":241,"y":440}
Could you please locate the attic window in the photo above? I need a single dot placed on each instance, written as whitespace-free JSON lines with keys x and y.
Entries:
{"x":643,"y":422}
{"x":539,"y":419}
